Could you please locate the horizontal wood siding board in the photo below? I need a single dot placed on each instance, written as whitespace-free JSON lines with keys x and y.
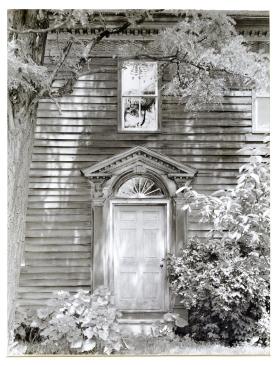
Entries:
{"x":57,"y":233}
{"x":59,"y":198}
{"x":69,"y":240}
{"x":50,"y":205}
{"x":75,"y":122}
{"x":89,"y":84}
{"x":41,"y":153}
{"x":51,"y":289}
{"x":41,"y":296}
{"x":142,"y":138}
{"x":59,"y":173}
{"x":233,"y":100}
{"x":85,"y":160}
{"x":59,"y":262}
{"x":53,"y":282}
{"x":85,"y":114}
{"x":76,"y":225}
{"x":52,"y":269}
{"x":25,"y":277}
{"x":110,"y":104}
{"x":126,"y":144}
{"x":60,"y":166}
{"x":52,"y":217}
{"x":93,"y":96}
{"x":80,"y":191}
{"x":48,"y":262}
{"x":174,"y":129}
{"x":58,"y":248}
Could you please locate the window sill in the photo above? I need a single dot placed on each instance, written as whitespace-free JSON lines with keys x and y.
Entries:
{"x":141,"y":132}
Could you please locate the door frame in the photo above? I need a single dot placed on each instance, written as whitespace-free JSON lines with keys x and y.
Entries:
{"x":111,"y":249}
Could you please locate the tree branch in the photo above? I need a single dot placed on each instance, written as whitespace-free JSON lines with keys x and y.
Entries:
{"x":68,"y":86}
{"x":63,"y":57}
{"x":45,"y":30}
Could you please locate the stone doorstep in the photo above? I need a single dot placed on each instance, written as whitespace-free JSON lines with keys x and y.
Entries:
{"x":139,"y":328}
{"x":142,"y":316}
{"x":139,"y":323}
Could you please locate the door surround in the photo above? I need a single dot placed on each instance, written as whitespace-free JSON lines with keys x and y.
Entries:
{"x":106,"y":178}
{"x":110,"y":280}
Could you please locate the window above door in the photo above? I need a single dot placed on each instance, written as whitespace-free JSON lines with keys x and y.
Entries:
{"x":139,"y":97}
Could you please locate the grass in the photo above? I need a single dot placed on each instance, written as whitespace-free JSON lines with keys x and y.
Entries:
{"x":144,"y":345}
{"x":147,"y":345}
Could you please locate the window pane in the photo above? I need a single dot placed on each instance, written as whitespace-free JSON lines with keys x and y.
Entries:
{"x":148,"y":78}
{"x":139,"y":113}
{"x":262,"y":113}
{"x":130,"y":79}
{"x":148,"y":114}
{"x":130,"y":110}
{"x":139,"y":78}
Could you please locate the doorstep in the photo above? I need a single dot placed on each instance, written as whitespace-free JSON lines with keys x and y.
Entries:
{"x":139,"y":323}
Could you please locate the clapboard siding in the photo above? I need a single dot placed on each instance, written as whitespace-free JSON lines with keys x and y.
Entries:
{"x":58,"y":252}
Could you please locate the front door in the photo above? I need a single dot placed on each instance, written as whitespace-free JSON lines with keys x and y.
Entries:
{"x":140,"y":245}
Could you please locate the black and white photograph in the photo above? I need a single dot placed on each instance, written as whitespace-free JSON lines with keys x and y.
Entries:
{"x":138,"y":163}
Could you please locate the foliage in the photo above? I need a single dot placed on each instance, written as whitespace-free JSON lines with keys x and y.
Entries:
{"x":23,"y":71}
{"x":69,"y":53}
{"x":150,"y":345}
{"x":224,"y":280}
{"x":204,"y":57}
{"x":166,"y":327}
{"x":75,"y":323}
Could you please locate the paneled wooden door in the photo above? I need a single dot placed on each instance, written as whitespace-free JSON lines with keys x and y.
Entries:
{"x":140,"y":246}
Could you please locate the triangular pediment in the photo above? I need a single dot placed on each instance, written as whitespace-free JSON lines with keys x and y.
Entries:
{"x":139,"y":156}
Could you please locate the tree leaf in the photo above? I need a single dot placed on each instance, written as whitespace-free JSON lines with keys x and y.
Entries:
{"x":88,"y":345}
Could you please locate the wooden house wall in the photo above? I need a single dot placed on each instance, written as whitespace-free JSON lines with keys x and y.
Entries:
{"x":58,"y":224}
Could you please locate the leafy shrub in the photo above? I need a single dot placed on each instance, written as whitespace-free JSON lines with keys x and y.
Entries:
{"x":224,"y":280}
{"x":167,"y":327}
{"x":76,"y":323}
{"x":25,"y":329}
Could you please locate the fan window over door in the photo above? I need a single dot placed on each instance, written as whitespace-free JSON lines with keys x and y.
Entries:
{"x":140,"y":187}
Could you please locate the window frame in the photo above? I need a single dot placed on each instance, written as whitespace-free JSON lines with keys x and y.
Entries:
{"x":120,"y":127}
{"x":255,"y":128}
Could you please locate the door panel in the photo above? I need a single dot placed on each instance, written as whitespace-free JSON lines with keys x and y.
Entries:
{"x":139,"y":240}
{"x":126,"y":248}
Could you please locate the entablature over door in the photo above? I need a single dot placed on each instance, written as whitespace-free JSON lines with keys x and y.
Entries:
{"x":137,"y":161}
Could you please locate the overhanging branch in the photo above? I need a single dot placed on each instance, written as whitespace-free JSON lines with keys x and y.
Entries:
{"x":44,"y":30}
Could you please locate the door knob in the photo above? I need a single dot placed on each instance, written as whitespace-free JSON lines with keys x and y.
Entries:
{"x":161,"y":265}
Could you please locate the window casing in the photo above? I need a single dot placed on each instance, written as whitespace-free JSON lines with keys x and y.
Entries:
{"x":261,"y":113}
{"x":139,"y":97}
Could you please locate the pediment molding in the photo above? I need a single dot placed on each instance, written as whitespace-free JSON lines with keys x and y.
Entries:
{"x":139,"y":159}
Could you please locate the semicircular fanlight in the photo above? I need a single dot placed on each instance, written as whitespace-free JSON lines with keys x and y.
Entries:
{"x":140,"y":187}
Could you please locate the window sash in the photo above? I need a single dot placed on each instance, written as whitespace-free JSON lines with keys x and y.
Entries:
{"x":138,"y":95}
{"x":139,"y":117}
{"x":261,"y":118}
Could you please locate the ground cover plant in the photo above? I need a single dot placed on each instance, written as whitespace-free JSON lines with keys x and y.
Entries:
{"x":77,"y":323}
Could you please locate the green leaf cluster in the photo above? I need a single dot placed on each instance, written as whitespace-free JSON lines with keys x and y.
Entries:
{"x":223,"y":280}
{"x":79,"y":323}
